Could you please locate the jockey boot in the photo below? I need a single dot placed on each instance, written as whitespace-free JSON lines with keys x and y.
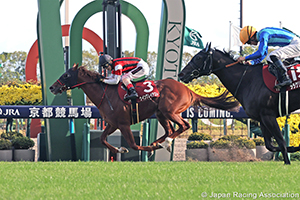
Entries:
{"x":282,"y":76}
{"x":132,"y":94}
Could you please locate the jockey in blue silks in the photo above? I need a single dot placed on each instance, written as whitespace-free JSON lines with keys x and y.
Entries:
{"x":288,"y":43}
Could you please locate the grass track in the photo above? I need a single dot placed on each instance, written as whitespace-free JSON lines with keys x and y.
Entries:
{"x":147,"y":180}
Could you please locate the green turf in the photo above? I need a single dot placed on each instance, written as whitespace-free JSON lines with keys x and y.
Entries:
{"x":148,"y":180}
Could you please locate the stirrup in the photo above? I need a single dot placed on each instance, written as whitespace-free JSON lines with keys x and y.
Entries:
{"x":131,"y":96}
{"x":283,"y":83}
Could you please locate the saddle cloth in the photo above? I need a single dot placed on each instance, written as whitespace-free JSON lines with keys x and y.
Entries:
{"x":293,"y":72}
{"x":146,"y":90}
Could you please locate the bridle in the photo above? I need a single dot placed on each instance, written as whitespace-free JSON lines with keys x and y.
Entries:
{"x":207,"y":65}
{"x":68,"y":85}
{"x":207,"y":68}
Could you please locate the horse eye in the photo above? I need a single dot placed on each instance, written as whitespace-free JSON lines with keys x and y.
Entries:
{"x":195,"y":73}
{"x":66,"y":75}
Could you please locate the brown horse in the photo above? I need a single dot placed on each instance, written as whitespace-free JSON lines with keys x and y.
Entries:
{"x":174,"y":99}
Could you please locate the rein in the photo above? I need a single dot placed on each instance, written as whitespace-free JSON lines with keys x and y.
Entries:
{"x":68,"y":87}
{"x":237,"y":88}
{"x":74,"y":86}
{"x":209,"y":69}
{"x":231,"y":64}
{"x":83,"y":83}
{"x":239,"y":84}
{"x":104,"y":94}
{"x":102,"y":97}
{"x":80,"y":84}
{"x":71,"y":84}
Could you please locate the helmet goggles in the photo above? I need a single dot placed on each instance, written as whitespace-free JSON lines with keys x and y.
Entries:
{"x":106,"y":65}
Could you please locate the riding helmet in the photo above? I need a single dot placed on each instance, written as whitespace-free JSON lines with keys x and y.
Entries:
{"x":105,"y":59}
{"x":246,"y":33}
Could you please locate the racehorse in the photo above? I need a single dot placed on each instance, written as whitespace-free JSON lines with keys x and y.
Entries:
{"x":246,"y":84}
{"x":174,"y":98}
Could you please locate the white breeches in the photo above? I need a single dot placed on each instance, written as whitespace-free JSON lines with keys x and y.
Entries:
{"x":140,"y":72}
{"x":289,"y":51}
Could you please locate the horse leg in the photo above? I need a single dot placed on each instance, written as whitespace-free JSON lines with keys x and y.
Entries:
{"x":107,"y":131}
{"x":267,"y":138}
{"x":183,"y":126}
{"x":166,"y":124}
{"x":177,"y":119}
{"x":127,"y":134}
{"x":270,"y":127}
{"x":270,"y":147}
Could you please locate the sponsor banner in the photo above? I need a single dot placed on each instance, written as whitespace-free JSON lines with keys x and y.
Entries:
{"x":173,"y":40}
{"x":207,"y":113}
{"x":59,"y":112}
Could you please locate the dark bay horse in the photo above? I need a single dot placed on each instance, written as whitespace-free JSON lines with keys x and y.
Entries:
{"x":174,"y":99}
{"x":247,"y":84}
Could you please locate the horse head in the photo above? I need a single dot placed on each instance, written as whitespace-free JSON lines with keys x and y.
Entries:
{"x":201,"y":64}
{"x":67,"y":81}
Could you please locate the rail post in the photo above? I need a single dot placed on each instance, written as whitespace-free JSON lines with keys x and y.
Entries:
{"x":86,"y":142}
{"x":195,"y":125}
{"x":145,"y":140}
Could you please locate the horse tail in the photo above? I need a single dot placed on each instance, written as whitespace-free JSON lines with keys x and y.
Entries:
{"x":223,"y":101}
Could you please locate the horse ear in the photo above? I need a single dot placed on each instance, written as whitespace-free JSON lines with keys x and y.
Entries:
{"x":75,"y":66}
{"x":207,"y":47}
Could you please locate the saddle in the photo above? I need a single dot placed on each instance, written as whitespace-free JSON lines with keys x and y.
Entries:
{"x":270,"y":81}
{"x":293,"y":72}
{"x":145,"y":89}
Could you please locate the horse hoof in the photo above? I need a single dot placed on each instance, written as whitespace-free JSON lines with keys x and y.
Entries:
{"x":123,"y":150}
{"x":169,"y":149}
{"x":166,"y":144}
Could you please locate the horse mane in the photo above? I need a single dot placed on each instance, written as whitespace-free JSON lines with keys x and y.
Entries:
{"x":233,"y":55}
{"x":91,"y":73}
{"x":230,"y":54}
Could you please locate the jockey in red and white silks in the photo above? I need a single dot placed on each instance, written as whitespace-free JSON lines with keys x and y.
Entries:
{"x":126,"y":70}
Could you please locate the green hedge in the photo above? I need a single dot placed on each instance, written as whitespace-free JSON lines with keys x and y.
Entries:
{"x":199,"y":136}
{"x":197,"y":145}
{"x":229,"y":141}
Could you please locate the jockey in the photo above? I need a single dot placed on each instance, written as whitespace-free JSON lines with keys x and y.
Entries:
{"x":288,"y":42}
{"x":126,"y":69}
